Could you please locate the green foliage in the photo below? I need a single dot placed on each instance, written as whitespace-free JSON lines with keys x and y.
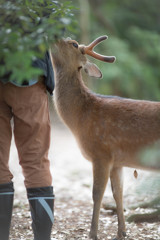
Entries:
{"x":27,"y":27}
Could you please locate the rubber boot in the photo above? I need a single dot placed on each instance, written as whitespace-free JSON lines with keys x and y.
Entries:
{"x":41,"y":202}
{"x":6,"y":206}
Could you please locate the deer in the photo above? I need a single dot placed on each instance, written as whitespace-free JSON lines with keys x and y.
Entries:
{"x":111,"y":131}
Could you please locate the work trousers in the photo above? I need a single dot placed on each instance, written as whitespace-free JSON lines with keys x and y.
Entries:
{"x":28,"y":106}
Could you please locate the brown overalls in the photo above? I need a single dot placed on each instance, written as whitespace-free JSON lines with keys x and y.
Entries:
{"x":28,"y":106}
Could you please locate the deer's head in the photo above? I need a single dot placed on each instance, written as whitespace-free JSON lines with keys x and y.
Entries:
{"x":67,"y":53}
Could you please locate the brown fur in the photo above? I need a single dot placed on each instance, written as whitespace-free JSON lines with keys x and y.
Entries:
{"x":110,"y":131}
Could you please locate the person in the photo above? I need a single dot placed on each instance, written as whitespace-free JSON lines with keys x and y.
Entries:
{"x":27,"y":105}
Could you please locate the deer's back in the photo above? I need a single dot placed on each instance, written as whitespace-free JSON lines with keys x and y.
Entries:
{"x":111,"y":125}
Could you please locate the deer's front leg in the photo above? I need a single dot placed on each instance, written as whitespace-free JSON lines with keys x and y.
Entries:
{"x":117,"y":189}
{"x":101,"y":173}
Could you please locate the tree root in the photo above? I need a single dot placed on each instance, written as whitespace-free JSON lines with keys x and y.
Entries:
{"x":146,"y":217}
{"x":155,"y":203}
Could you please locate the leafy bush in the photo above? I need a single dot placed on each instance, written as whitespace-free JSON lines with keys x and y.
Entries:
{"x":26,"y":29}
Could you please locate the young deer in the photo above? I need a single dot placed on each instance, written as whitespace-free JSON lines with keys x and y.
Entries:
{"x":111,"y":131}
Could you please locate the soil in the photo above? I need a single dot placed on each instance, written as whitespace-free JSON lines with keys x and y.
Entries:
{"x":72,"y":180}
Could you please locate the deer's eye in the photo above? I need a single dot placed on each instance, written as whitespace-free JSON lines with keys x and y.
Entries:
{"x":75,"y":45}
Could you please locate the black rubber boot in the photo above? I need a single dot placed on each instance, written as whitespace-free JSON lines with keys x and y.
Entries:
{"x":6,"y":206}
{"x":42,"y":210}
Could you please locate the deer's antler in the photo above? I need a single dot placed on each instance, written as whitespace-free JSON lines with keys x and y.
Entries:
{"x":89,"y":50}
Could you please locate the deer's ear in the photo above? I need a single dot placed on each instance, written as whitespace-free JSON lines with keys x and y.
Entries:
{"x":92,"y":70}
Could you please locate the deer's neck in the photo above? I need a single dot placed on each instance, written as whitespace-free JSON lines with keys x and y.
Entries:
{"x":71,"y":95}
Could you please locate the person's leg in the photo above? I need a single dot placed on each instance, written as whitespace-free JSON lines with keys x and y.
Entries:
{"x":32,"y":134}
{"x":5,"y":136}
{"x":6,"y":186}
{"x":32,"y":137}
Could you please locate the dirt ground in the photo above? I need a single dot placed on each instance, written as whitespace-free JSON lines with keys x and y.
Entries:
{"x":72,"y":180}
